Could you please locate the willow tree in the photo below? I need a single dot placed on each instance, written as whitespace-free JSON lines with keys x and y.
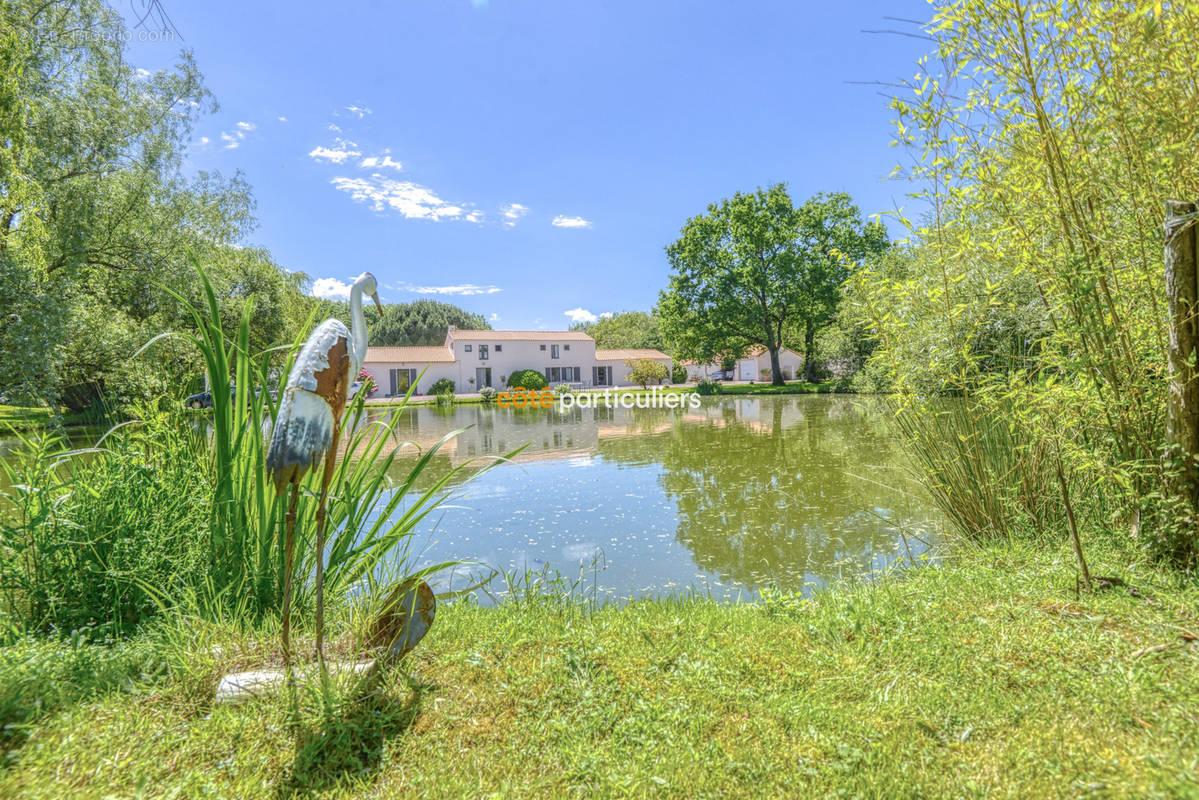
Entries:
{"x":756,"y":270}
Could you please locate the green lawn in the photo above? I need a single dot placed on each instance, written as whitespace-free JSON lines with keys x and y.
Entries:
{"x":794,"y":387}
{"x":986,"y":677}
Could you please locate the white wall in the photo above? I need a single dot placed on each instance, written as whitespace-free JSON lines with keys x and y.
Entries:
{"x":381,"y":372}
{"x":517,"y":355}
{"x":620,"y":371}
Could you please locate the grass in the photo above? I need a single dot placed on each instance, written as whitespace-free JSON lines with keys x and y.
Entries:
{"x":792,"y":387}
{"x":986,"y":676}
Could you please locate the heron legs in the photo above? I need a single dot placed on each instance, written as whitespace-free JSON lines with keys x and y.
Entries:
{"x":326,"y":479}
{"x":289,"y":550}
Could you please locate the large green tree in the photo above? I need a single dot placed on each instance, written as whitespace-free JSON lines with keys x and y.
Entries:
{"x":96,"y":215}
{"x":423,"y":322}
{"x":757,"y":270}
{"x":628,"y":329}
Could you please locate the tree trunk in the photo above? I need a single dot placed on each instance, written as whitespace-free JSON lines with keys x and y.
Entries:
{"x":1182,"y":419}
{"x":776,"y":372}
{"x":809,"y":353}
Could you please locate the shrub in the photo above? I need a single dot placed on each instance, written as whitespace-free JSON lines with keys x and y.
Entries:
{"x":527,"y":379}
{"x":488,"y":394}
{"x":445,"y":398}
{"x":646,"y":371}
{"x":707,"y":386}
{"x":678,"y":373}
{"x":563,"y":388}
{"x":369,"y":387}
{"x":442,"y":386}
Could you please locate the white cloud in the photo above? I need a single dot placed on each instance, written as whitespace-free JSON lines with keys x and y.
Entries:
{"x":580,"y":315}
{"x":281,"y":119}
{"x":246,"y":126}
{"x":334,"y":128}
{"x":410,"y":200}
{"x":359,"y":111}
{"x":384,"y":161}
{"x":142,"y":74}
{"x":461,"y":289}
{"x":232,"y":140}
{"x":331,"y":289}
{"x":607,"y":314}
{"x":474,"y":216}
{"x":561,"y":221}
{"x":341,"y":150}
{"x":512,"y":212}
{"x":494,"y":317}
{"x":204,"y":140}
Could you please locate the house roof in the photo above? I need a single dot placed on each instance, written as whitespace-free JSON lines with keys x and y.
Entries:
{"x":409,"y":355}
{"x":758,"y":350}
{"x":523,"y":336}
{"x":625,"y":355}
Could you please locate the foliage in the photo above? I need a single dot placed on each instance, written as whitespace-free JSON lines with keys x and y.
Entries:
{"x":165,"y":511}
{"x":420,"y":323}
{"x":96,"y":217}
{"x":445,"y":397}
{"x":441,"y":386}
{"x":628,"y":330}
{"x":527,"y":379}
{"x":707,"y":386}
{"x":368,"y":387}
{"x":1046,"y":137}
{"x":488,"y":394}
{"x":646,"y":371}
{"x":678,"y":373}
{"x":563,"y":388}
{"x":756,"y":270}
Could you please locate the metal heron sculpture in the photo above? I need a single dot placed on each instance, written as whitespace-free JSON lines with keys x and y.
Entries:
{"x":308,"y":428}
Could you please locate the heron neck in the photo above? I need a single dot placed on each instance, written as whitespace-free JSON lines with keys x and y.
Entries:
{"x":357,"y":330}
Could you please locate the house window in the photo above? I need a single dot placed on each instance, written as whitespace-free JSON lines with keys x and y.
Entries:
{"x":483,"y":352}
{"x":553,"y":351}
{"x":601,"y":376}
{"x":565,"y":347}
{"x":466,"y":348}
{"x":499,"y":348}
{"x":542,"y":347}
{"x":401,"y":379}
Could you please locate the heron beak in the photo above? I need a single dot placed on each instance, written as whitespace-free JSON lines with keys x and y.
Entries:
{"x":378,"y":305}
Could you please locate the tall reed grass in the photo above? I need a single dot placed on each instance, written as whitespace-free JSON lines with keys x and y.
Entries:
{"x":175,"y":509}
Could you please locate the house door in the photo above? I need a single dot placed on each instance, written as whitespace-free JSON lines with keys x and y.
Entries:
{"x":749,"y":369}
{"x":482,"y":377}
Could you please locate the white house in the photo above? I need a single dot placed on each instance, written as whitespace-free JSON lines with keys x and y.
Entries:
{"x":474,"y":359}
{"x":753,"y":366}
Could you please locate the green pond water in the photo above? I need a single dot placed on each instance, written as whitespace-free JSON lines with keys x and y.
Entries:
{"x":739,"y":494}
{"x":742,"y":493}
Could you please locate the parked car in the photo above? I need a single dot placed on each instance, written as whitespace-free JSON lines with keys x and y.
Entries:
{"x":204,"y":399}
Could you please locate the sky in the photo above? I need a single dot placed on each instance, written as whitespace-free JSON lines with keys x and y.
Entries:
{"x":530,"y":160}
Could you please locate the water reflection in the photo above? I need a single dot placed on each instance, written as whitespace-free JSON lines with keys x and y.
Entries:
{"x":737,"y":494}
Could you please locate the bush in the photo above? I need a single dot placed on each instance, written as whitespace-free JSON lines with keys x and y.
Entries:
{"x":488,"y":394}
{"x":707,"y":386}
{"x":529,"y":379}
{"x":563,"y":388}
{"x":445,"y":398}
{"x":442,"y":386}
{"x":678,"y":373}
{"x":369,"y":387}
{"x":646,"y":371}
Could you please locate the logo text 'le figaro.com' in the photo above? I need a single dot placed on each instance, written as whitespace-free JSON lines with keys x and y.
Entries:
{"x":544,"y":398}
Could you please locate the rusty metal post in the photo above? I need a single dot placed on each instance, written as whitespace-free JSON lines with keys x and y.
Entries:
{"x":1182,"y":419}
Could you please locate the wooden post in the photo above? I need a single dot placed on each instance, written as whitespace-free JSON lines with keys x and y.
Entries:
{"x":1182,"y":418}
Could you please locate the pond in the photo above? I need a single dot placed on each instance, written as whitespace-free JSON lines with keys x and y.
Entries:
{"x":738,"y":494}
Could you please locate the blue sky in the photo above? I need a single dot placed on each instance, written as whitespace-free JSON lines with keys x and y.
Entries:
{"x":529,"y":160}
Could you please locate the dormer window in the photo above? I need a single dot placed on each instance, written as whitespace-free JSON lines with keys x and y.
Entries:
{"x":466,"y":348}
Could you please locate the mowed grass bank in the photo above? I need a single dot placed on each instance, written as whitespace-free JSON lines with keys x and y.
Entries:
{"x":983,"y":677}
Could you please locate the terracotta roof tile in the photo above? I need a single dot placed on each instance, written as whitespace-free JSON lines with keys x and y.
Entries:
{"x":625,"y":355}
{"x":409,"y":355}
{"x":517,"y":336}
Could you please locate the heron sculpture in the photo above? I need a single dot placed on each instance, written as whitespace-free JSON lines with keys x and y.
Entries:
{"x":308,"y":429}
